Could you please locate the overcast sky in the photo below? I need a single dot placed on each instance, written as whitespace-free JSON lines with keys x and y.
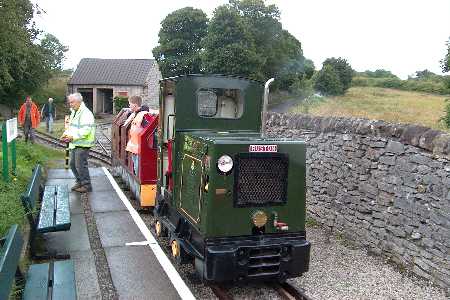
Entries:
{"x":398,"y":35}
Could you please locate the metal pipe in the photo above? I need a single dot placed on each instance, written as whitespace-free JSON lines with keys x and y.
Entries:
{"x":264,"y":108}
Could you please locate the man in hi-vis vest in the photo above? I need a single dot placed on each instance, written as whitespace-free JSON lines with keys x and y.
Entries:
{"x":137,"y":123}
{"x":81,"y":137}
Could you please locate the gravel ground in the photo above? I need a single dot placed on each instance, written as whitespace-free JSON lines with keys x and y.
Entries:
{"x":340,"y":271}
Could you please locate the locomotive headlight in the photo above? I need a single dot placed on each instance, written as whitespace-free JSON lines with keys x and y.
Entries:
{"x":225,"y":164}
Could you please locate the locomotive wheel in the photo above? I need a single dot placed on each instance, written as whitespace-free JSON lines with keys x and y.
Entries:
{"x":178,"y":253}
{"x":160,"y":230}
{"x":176,"y":249}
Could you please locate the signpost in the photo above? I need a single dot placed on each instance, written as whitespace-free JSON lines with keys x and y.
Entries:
{"x":9,"y":135}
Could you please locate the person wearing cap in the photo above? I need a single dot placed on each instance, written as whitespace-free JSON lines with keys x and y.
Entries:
{"x":29,"y":118}
{"x":49,"y":113}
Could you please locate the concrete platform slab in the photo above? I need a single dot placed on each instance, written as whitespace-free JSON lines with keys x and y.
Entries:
{"x":63,"y":173}
{"x":105,"y":201}
{"x":137,"y":274}
{"x":55,"y":181}
{"x":86,"y":275}
{"x":101,"y":184}
{"x":76,"y":239}
{"x":117,"y":228}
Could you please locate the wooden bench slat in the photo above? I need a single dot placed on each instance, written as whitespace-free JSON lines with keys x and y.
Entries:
{"x":64,"y":280}
{"x":62,"y":221}
{"x":36,"y":287}
{"x":9,"y":259}
{"x":46,"y":216}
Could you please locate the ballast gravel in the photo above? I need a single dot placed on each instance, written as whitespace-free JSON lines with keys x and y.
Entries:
{"x":341,"y":271}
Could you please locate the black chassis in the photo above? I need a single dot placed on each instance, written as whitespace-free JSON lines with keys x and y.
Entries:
{"x":265,"y":257}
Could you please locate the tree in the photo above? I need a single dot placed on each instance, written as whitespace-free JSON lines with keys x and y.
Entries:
{"x":25,"y":65}
{"x":282,"y":52}
{"x":54,"y":52}
{"x":180,"y":38}
{"x":424,"y":74}
{"x":229,"y":47}
{"x":445,"y":62}
{"x":343,"y":70}
{"x":327,"y":81}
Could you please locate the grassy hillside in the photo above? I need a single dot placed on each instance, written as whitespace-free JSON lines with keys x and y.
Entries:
{"x":382,"y":104}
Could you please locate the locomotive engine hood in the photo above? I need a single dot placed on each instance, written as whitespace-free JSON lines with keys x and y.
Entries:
{"x":243,"y":180}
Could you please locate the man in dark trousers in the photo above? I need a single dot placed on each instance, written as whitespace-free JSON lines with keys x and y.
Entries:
{"x":49,"y":113}
{"x":29,"y":118}
{"x":81,"y":137}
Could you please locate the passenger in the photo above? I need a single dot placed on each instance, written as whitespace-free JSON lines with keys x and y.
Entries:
{"x":138,"y":122}
{"x":49,"y":114}
{"x":29,"y":118}
{"x":81,"y":137}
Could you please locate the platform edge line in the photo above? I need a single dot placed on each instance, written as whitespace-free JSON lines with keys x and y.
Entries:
{"x":183,"y":290}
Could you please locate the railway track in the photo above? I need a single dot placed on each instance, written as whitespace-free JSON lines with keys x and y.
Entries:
{"x":285,"y":290}
{"x":102,"y":157}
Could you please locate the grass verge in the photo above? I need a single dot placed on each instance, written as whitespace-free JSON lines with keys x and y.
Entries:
{"x":382,"y":104}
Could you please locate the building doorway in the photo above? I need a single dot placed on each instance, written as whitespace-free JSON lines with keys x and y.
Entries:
{"x":105,"y":101}
{"x":87,"y":97}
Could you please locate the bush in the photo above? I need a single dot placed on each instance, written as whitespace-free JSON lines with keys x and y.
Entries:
{"x":446,"y":117}
{"x":327,"y":81}
{"x":120,"y":102}
{"x":343,"y":70}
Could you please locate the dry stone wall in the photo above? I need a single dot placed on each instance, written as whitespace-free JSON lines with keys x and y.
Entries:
{"x":385,"y":186}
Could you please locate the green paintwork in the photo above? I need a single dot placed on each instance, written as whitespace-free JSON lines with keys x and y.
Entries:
{"x":197,"y":137}
{"x":9,"y":259}
{"x":64,"y":280}
{"x":36,"y":287}
{"x":187,"y":117}
{"x":62,"y":220}
{"x":31,"y":195}
{"x":219,"y":217}
{"x":55,"y":211}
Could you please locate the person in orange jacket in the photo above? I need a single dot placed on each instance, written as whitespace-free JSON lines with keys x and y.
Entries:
{"x":29,"y":118}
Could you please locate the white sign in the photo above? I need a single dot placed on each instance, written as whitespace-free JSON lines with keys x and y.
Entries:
{"x":11,"y":129}
{"x":263,"y":148}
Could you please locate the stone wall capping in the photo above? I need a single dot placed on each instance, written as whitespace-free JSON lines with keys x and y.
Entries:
{"x":435,"y":141}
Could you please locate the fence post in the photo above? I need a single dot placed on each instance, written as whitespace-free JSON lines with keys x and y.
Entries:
{"x":5,"y":153}
{"x":13,"y":157}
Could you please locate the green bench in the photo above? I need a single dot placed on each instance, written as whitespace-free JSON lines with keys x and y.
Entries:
{"x":54,"y":210}
{"x":54,"y":278}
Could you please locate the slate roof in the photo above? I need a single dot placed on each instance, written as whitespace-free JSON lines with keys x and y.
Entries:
{"x":113,"y":71}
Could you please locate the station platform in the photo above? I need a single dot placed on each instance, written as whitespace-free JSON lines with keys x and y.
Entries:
{"x":114,"y":253}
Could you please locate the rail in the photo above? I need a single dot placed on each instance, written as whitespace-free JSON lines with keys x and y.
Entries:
{"x":97,"y":155}
{"x":285,"y":290}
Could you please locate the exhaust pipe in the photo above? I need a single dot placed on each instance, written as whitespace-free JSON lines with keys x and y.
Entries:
{"x":264,"y":107}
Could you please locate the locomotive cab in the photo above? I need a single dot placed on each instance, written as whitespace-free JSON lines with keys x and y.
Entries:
{"x":231,"y":201}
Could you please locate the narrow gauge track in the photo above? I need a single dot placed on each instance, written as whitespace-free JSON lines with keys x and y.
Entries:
{"x":94,"y":154}
{"x":285,"y":290}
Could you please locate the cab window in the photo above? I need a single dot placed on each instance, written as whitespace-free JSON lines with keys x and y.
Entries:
{"x":220,"y":103}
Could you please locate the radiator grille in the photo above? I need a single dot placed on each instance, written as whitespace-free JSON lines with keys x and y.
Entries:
{"x":260,"y":179}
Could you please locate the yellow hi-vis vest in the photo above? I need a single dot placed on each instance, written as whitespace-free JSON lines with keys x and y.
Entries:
{"x":81,"y":128}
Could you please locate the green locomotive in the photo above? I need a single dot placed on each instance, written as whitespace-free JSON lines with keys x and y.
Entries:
{"x":231,"y":200}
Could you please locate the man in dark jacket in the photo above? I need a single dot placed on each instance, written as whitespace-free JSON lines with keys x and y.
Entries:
{"x":49,"y":113}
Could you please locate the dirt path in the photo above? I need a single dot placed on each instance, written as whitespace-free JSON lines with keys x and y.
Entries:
{"x":285,"y":106}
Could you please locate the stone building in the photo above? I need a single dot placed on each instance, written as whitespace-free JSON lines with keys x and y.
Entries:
{"x":101,"y":80}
